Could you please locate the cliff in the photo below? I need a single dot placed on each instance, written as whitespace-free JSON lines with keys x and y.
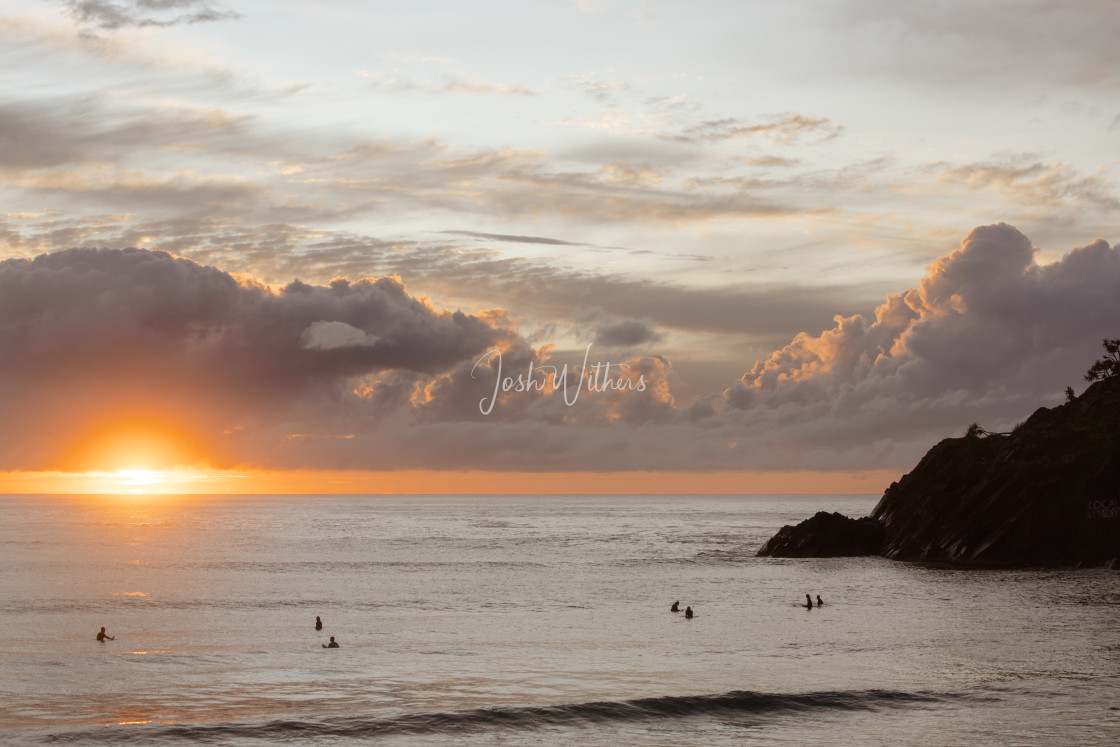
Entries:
{"x":1047,"y":494}
{"x":826,"y":535}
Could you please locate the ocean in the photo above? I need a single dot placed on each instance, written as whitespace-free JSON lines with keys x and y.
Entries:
{"x":514,"y":620}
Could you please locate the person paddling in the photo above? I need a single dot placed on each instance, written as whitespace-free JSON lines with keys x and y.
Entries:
{"x":102,"y":636}
{"x":676,"y":607}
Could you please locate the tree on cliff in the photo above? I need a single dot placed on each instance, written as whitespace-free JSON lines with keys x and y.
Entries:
{"x":1107,"y":366}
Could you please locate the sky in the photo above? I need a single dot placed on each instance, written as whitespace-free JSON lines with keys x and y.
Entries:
{"x":253,"y":247}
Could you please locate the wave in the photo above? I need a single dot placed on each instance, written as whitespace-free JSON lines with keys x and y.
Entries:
{"x":733,"y":704}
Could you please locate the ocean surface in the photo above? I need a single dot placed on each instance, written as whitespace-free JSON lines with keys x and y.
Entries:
{"x":478,"y":620}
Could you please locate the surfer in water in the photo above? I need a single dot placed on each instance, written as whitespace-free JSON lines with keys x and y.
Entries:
{"x":676,"y":607}
{"x":318,"y":623}
{"x":808,"y":602}
{"x":687,"y":613}
{"x":332,"y":644}
{"x":102,"y":636}
{"x":819,"y":602}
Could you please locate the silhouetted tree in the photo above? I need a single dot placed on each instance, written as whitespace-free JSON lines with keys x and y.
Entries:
{"x":1107,"y":366}
{"x":974,"y":431}
{"x":1070,"y":396}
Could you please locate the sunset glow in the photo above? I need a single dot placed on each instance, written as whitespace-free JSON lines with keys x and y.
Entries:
{"x":133,"y":445}
{"x":659,"y":245}
{"x":195,"y":481}
{"x":140,"y":477}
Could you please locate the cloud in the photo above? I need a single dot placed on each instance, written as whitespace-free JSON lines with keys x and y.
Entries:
{"x":59,"y":131}
{"x":184,"y":192}
{"x":626,"y":334}
{"x":323,"y":335}
{"x":478,"y":276}
{"x":786,"y":129}
{"x":1032,"y":183}
{"x":631,"y":174}
{"x":111,"y":15}
{"x":744,"y":307}
{"x":88,"y":336}
{"x":769,"y":161}
{"x":129,"y":151}
{"x":392,"y":82}
{"x":987,"y":333}
{"x":459,"y":86}
{"x":515,"y":239}
{"x":606,"y":92}
{"x":607,"y":330}
{"x":362,"y":374}
{"x":766,"y":313}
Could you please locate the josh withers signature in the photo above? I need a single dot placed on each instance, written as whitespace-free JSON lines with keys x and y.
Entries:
{"x":528,"y":381}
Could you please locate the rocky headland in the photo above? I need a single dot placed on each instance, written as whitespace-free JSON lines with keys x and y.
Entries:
{"x":1046,"y":494}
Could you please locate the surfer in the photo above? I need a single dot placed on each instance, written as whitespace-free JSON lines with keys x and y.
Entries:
{"x":332,"y":644}
{"x":819,"y":602}
{"x":318,"y":623}
{"x":808,"y":602}
{"x":688,"y":613}
{"x":676,"y":607}
{"x":102,"y":637}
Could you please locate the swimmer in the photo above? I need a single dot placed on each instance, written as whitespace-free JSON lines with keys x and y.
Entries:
{"x":808,"y":602}
{"x":102,"y":637}
{"x":676,"y":607}
{"x":332,"y":644}
{"x":318,"y":623}
{"x":819,"y":602}
{"x":688,"y":613}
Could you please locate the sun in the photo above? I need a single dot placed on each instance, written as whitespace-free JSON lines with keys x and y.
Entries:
{"x":137,"y":478}
{"x":137,"y":454}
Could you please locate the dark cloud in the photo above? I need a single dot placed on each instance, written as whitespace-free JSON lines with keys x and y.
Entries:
{"x":626,"y":334}
{"x":987,"y":335}
{"x":111,"y":15}
{"x":360,"y":374}
{"x":86,"y":335}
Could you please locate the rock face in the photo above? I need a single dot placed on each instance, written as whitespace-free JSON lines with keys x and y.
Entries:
{"x":826,"y":536}
{"x":1047,"y":494}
